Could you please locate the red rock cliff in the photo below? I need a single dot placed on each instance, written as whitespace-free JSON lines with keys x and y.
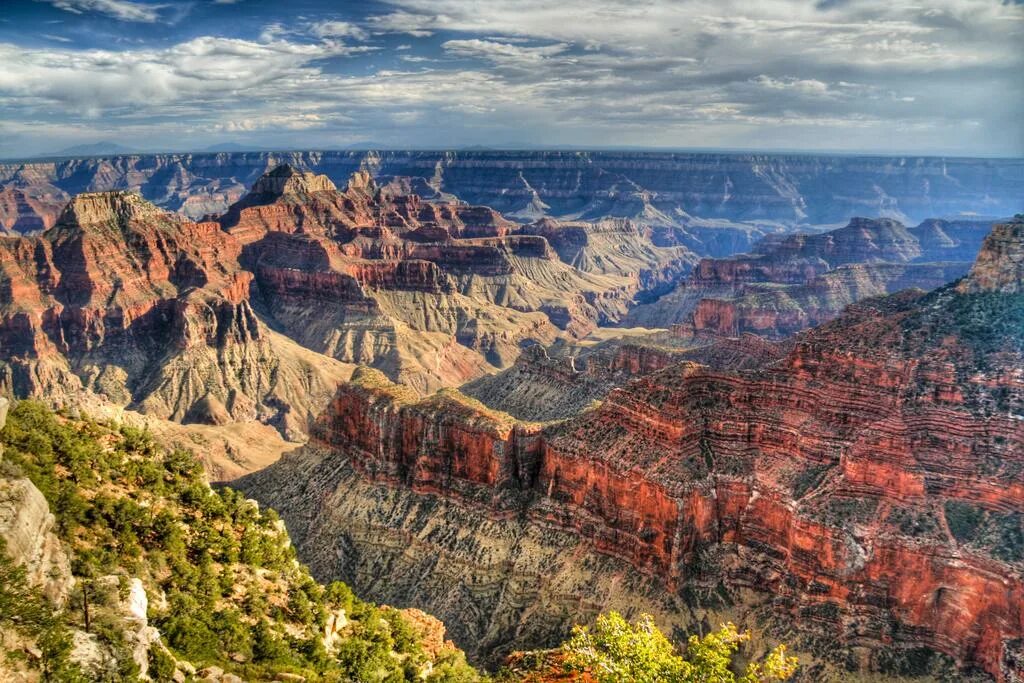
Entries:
{"x":871,"y":479}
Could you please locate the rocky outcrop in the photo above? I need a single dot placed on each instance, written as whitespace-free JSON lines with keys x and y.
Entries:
{"x":432,"y":294}
{"x":129,"y":304}
{"x":1000,"y":264}
{"x":861,"y":493}
{"x":666,"y":189}
{"x":27,"y":528}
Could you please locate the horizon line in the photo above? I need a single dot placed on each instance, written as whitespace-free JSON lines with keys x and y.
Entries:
{"x":731,"y":151}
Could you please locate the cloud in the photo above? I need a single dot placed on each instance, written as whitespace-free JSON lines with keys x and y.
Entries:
{"x":659,"y":72}
{"x":292,"y":122}
{"x":804,"y":85}
{"x":859,"y":31}
{"x":91,"y":81}
{"x":406,"y":117}
{"x":124,"y":10}
{"x":502,"y":53}
{"x":337,"y":29}
{"x":413,"y":24}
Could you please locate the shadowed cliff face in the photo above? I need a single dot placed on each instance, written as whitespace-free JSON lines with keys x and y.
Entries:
{"x":662,"y":189}
{"x":863,"y":494}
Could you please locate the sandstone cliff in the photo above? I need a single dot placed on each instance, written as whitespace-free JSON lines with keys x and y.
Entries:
{"x":142,"y":308}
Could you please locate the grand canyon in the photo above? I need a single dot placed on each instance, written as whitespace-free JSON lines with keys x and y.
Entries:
{"x":517,"y":422}
{"x":445,"y":341}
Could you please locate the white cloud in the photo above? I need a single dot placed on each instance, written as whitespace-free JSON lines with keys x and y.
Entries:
{"x":91,"y":81}
{"x":294,"y":121}
{"x":736,"y":31}
{"x":413,"y":24}
{"x":502,"y":53}
{"x":406,"y":117}
{"x":337,"y":29}
{"x":125,"y":10}
{"x":808,"y":86}
{"x":703,"y":72}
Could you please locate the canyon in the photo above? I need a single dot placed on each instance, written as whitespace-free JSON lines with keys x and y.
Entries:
{"x":258,"y":314}
{"x":519,"y":389}
{"x":861,"y":494}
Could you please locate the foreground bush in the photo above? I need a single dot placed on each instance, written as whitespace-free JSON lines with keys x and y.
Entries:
{"x":616,"y":651}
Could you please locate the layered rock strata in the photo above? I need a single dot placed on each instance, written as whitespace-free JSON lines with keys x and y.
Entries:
{"x":146,"y":309}
{"x":861,"y":495}
{"x":434,"y":294}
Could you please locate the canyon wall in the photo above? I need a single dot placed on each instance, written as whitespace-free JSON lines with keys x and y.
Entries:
{"x":861,"y":496}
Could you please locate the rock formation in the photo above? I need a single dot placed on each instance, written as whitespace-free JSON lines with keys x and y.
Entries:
{"x":1000,"y":264}
{"x":147,"y":309}
{"x":862,"y":494}
{"x":434,"y":294}
{"x":797,"y":281}
{"x":27,"y":529}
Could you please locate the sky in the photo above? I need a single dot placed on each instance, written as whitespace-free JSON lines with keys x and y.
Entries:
{"x":941,"y":77}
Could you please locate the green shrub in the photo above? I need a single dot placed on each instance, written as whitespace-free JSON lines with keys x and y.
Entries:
{"x":236,"y":597}
{"x":617,"y":651}
{"x":963,"y":519}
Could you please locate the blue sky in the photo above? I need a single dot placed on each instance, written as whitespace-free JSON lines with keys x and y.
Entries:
{"x":931,"y":77}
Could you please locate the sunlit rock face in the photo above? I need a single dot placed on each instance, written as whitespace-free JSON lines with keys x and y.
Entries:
{"x":433,"y":293}
{"x":125,"y":303}
{"x":860,"y":493}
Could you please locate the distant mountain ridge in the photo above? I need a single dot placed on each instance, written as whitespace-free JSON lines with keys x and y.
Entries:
{"x":91,"y":149}
{"x":659,"y":188}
